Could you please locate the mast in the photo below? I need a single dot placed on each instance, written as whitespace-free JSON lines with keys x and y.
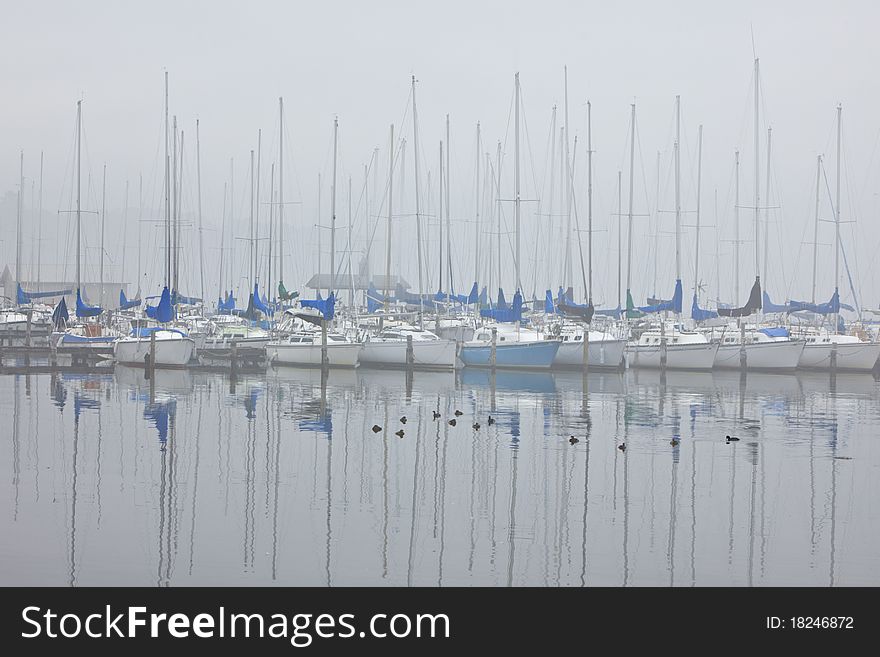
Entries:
{"x":270,"y":253}
{"x":550,"y":260}
{"x":816,"y":225}
{"x":837,"y":218}
{"x":677,"y":189}
{"x":140,"y":220}
{"x":477,"y":220}
{"x":199,"y":197}
{"x":79,"y":192}
{"x":40,"y":223}
{"x":632,"y":154}
{"x":656,"y":228}
{"x":416,"y":184}
{"x":757,"y":182}
{"x":619,"y":236}
{"x":103,"y":222}
{"x":388,"y":288}
{"x":440,"y":222}
{"x":767,"y":209}
{"x":257,"y":208}
{"x":174,"y":209}
{"x":516,"y":180}
{"x":568,"y":189}
{"x":699,"y":188}
{"x":498,"y":204}
{"x":589,"y":204}
{"x":222,"y":242}
{"x":333,"y":213}
{"x":19,"y":221}
{"x":350,"y":248}
{"x":449,"y":283}
{"x":167,"y":195}
{"x":736,"y":240}
{"x":251,"y":272}
{"x":280,"y":190}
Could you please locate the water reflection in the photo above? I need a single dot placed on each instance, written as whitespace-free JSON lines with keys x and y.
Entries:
{"x":189,"y":478}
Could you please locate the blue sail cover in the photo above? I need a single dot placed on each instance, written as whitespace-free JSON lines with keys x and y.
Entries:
{"x":610,"y":312}
{"x":374,"y":299}
{"x":832,"y":306}
{"x":474,"y":296}
{"x":60,"y":316}
{"x":259,"y":304}
{"x":484,"y":297}
{"x":26,"y":297}
{"x":177,"y":298}
{"x":770,"y":307}
{"x":325,"y":306}
{"x":125,"y":304}
{"x":502,"y":302}
{"x":227,"y":304}
{"x":164,"y":312}
{"x":699,"y":314}
{"x":549,"y":306}
{"x":509,"y":314}
{"x":673,"y":305}
{"x":82,"y":310}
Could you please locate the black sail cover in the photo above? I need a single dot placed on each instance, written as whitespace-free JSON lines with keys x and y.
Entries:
{"x":752,"y":305}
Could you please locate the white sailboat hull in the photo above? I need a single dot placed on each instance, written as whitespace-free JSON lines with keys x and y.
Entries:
{"x":860,"y":356}
{"x":338,"y":355}
{"x":169,"y":352}
{"x":678,"y":356}
{"x":430,"y":354}
{"x":602,"y":353}
{"x":761,"y":355}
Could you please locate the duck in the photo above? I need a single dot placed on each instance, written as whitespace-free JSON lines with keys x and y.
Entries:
{"x":376,"y":428}
{"x":452,"y":422}
{"x":491,"y":420}
{"x":674,"y":442}
{"x":622,"y":447}
{"x":403,"y":420}
{"x":458,"y":412}
{"x":573,"y":440}
{"x":476,"y":426}
{"x":399,"y":433}
{"x":731,"y":439}
{"x":436,"y":414}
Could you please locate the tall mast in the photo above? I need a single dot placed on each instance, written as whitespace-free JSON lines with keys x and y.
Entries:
{"x":589,"y":204}
{"x":632,"y":154}
{"x":222,"y":243}
{"x":816,"y":225}
{"x":416,"y":184}
{"x":257,"y":208}
{"x":19,"y":220}
{"x":251,"y":273}
{"x":388,"y":288}
{"x":40,"y":223}
{"x":79,"y":192}
{"x":199,"y":197}
{"x":103,"y":222}
{"x":350,"y":248}
{"x":167,"y":195}
{"x":677,"y":189}
{"x":440,"y":221}
{"x":736,"y":240}
{"x":568,"y":189}
{"x":656,"y":229}
{"x":516,"y":180}
{"x":767,"y":209}
{"x":280,"y":190}
{"x":174,"y":206}
{"x":837,"y":216}
{"x":699,"y":189}
{"x":619,"y":236}
{"x":449,"y":283}
{"x":179,"y":204}
{"x":757,"y":182}
{"x":270,"y":252}
{"x":477,"y":220}
{"x":498,"y":204}
{"x":550,"y":260}
{"x":333,"y":213}
{"x":140,"y":221}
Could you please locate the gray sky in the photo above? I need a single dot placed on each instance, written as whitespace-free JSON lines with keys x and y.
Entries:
{"x":229,"y":63}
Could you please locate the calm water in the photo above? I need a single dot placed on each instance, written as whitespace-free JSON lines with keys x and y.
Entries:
{"x":278,"y":479}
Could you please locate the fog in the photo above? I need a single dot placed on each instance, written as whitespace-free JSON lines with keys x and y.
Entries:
{"x":228,"y":64}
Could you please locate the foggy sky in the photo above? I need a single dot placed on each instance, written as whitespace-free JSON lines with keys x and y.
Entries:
{"x":229,"y":62}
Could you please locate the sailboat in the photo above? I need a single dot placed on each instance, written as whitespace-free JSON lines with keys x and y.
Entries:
{"x":833,"y":349}
{"x":668,"y":344}
{"x":156,"y":342}
{"x":397,"y":343}
{"x":301,"y":343}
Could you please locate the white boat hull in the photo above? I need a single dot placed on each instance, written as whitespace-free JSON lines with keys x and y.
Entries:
{"x":699,"y":356}
{"x":602,"y":353}
{"x":429,"y":354}
{"x":338,"y":355}
{"x":860,"y":356}
{"x":169,"y":352}
{"x":761,"y":355}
